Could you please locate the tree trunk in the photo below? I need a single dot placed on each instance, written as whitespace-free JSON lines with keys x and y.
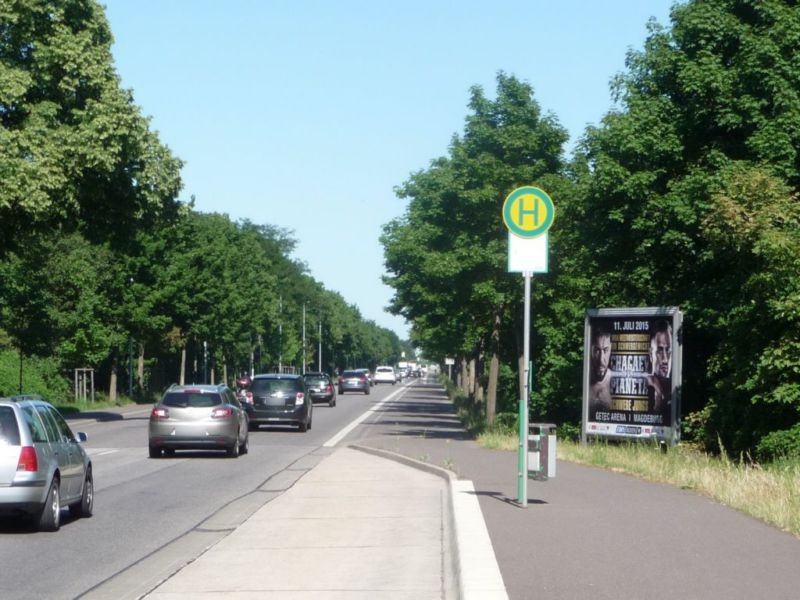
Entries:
{"x":183,"y":365}
{"x":140,"y":369}
{"x":464,"y":380}
{"x":224,"y":371}
{"x":494,"y":371}
{"x":112,"y":384}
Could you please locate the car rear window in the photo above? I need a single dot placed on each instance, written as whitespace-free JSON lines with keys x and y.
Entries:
{"x":9,"y":431}
{"x":353,"y":374}
{"x":191,"y":400}
{"x":316,"y":380}
{"x":384,"y":369}
{"x":271,"y":386}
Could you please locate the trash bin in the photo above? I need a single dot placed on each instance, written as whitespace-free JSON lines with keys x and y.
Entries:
{"x":541,"y":451}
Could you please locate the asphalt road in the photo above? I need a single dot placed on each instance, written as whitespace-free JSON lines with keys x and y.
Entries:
{"x":150,"y":514}
{"x":588,"y":533}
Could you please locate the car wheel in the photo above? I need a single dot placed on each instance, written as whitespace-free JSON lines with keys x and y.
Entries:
{"x":85,"y":506}
{"x":332,"y":402}
{"x":49,"y":517}
{"x":302,"y":426}
{"x":233,"y":451}
{"x":366,"y":391}
{"x":245,"y":447}
{"x":155,"y":452}
{"x":341,"y":391}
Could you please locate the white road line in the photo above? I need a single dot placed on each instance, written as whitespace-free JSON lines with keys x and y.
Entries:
{"x":339,"y":436}
{"x":100,"y":451}
{"x":478,"y":570}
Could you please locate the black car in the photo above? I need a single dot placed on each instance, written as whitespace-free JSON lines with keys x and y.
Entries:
{"x":279,"y":399}
{"x":320,"y":387}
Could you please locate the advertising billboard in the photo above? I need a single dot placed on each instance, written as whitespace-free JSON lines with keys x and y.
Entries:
{"x":632,"y":373}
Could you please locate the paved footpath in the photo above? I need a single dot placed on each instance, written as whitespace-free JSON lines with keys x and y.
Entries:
{"x":356,"y":526}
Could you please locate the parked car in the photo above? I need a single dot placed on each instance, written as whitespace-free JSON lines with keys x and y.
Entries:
{"x":320,"y":387}
{"x":198,"y":417}
{"x":280,"y":398}
{"x":353,"y":381}
{"x":385,"y":375}
{"x":43,"y":466}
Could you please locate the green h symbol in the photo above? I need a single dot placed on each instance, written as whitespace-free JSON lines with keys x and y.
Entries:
{"x":534,"y":212}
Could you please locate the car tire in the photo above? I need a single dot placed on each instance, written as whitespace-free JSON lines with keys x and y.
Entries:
{"x":332,"y":402}
{"x":85,"y":507}
{"x":366,"y":391}
{"x":341,"y":391}
{"x":245,"y":447}
{"x":302,"y":426}
{"x":49,"y":517}
{"x":155,"y":452}
{"x":233,"y":451}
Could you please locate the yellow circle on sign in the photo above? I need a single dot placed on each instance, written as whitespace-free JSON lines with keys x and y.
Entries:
{"x":528,"y":212}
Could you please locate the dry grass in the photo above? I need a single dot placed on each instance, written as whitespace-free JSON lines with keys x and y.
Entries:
{"x":770,"y":493}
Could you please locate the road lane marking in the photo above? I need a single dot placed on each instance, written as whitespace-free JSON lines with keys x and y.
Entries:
{"x":348,"y":428}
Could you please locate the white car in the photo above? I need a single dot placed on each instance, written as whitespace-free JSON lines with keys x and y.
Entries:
{"x":385,"y":375}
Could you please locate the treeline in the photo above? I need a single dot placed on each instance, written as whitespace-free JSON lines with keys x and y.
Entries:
{"x":102,"y":267}
{"x":684,"y":195}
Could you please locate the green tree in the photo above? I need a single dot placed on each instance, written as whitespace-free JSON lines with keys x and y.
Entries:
{"x":716,"y":94}
{"x":75,"y":152}
{"x":447,"y":255}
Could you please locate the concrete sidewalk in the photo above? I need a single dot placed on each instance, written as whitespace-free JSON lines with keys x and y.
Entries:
{"x":355,"y":526}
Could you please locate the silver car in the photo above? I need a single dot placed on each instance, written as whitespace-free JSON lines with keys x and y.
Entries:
{"x":43,"y":466}
{"x":198,"y":417}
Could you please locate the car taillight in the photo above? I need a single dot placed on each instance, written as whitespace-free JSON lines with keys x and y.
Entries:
{"x":28,"y":461}
{"x":298,"y":399}
{"x":363,"y":378}
{"x":329,"y":388}
{"x":248,"y":397}
{"x":224,"y":412}
{"x":159,"y":413}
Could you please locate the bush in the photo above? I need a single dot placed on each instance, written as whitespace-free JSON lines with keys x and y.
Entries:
{"x":779,"y":445}
{"x":39,"y":376}
{"x":506,"y":422}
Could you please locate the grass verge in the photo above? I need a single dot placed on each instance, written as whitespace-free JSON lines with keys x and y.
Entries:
{"x":770,"y":493}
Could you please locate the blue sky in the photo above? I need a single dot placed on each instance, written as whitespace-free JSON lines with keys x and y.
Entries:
{"x":306,"y":114}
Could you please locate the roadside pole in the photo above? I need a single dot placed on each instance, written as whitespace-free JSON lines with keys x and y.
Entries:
{"x":522,"y":476}
{"x":528,"y":213}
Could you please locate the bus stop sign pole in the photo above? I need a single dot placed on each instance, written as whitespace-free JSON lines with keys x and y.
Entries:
{"x":528,"y":213}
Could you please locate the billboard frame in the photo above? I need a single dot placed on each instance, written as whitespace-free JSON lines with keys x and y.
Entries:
{"x":668,"y":433}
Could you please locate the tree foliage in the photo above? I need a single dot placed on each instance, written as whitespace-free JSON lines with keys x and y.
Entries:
{"x":75,"y":152}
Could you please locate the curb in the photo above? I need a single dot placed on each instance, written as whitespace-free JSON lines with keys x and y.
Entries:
{"x":472,"y":570}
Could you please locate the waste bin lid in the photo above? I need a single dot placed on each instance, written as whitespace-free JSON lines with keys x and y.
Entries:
{"x":539,"y":428}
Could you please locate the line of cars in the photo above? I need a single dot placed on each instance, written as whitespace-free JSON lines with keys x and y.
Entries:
{"x":361,"y":380}
{"x":44,"y":467}
{"x":214,"y":417}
